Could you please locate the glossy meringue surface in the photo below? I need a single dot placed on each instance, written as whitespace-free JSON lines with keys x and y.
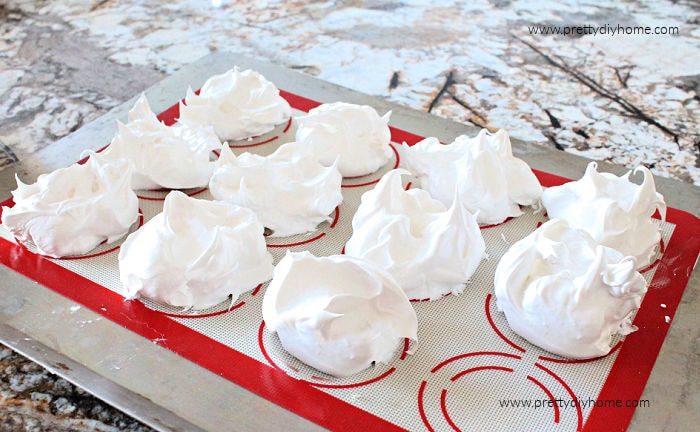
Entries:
{"x":195,"y":254}
{"x":176,"y":157}
{"x":355,"y":134}
{"x":431,"y":250}
{"x":72,"y":210}
{"x":615,"y":211}
{"x":238,"y":104}
{"x":565,"y":293}
{"x":290,"y":191}
{"x":490,"y":181}
{"x":337,"y":314}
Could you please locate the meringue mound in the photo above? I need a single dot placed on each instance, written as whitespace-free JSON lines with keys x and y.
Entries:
{"x":290,"y":191}
{"x":613,"y":210}
{"x":430,"y":250}
{"x":72,"y":210}
{"x":164,"y":157}
{"x":482,"y":171}
{"x":195,"y":254}
{"x":350,"y":315}
{"x":567,"y":294}
{"x":237,"y":104}
{"x":354,"y":133}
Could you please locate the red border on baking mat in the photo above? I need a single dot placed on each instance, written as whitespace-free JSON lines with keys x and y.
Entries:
{"x":626,"y":380}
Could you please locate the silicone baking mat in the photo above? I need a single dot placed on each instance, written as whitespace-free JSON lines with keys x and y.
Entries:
{"x":467,"y":371}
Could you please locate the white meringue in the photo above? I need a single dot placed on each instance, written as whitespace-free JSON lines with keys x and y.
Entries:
{"x":72,"y":210}
{"x":164,"y":157}
{"x":355,"y":133}
{"x":613,"y":210}
{"x":481,"y":170}
{"x":337,"y":314}
{"x":290,"y":191}
{"x":237,"y":104}
{"x":565,"y":293}
{"x":195,"y":254}
{"x":430,"y":250}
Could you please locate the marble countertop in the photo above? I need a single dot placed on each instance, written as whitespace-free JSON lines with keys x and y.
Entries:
{"x":625,"y":99}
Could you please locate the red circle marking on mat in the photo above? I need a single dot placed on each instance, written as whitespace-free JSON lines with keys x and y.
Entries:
{"x":508,"y":219}
{"x":421,"y":409}
{"x":493,"y":325}
{"x":375,"y":181}
{"x":321,"y":384}
{"x":256,"y":144}
{"x":443,"y":407}
{"x":215,"y":313}
{"x":167,"y":191}
{"x":455,"y":377}
{"x":443,"y":395}
{"x":579,"y":412}
{"x":473,"y":354}
{"x":577,"y":361}
{"x":332,"y":225}
{"x":549,"y":395}
{"x":105,"y":252}
{"x":427,"y":299}
{"x":289,"y":124}
{"x":220,"y":312}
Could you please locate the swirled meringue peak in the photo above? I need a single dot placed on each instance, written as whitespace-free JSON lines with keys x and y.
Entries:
{"x":237,"y":104}
{"x":430,"y":250}
{"x":290,"y":191}
{"x":195,"y":254}
{"x":72,"y":210}
{"x":565,"y":293}
{"x":613,"y":210}
{"x":355,"y":133}
{"x":164,"y":157}
{"x":481,"y":170}
{"x":337,"y":314}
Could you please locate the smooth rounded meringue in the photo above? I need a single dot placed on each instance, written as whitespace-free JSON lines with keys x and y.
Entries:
{"x":195,"y":254}
{"x":337,"y":314}
{"x":72,"y":210}
{"x":567,"y":294}
{"x":175,"y":157}
{"x":490,"y":181}
{"x":237,"y":104}
{"x":613,"y":210}
{"x":290,"y":191}
{"x":430,"y":250}
{"x":355,"y":133}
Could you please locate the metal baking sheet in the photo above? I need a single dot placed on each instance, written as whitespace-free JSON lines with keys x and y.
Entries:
{"x":460,"y":369}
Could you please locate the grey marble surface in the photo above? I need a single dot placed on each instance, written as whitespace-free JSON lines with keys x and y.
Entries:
{"x":33,"y":399}
{"x":624,"y":99}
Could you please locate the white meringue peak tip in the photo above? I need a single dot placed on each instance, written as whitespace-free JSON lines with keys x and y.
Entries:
{"x":175,"y":157}
{"x":615,"y":211}
{"x":409,"y":234}
{"x":141,"y":110}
